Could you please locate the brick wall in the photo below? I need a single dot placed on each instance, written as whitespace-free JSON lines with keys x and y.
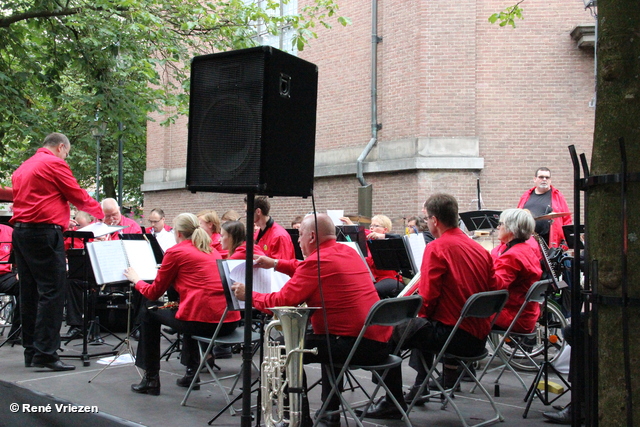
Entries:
{"x":444,"y":71}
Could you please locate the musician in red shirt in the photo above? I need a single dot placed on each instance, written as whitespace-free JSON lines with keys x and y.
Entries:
{"x":516,"y":269}
{"x":112,"y":216}
{"x":191,"y":267}
{"x":454,"y":267}
{"x":9,"y":284}
{"x":43,"y":187}
{"x":348,"y":296}
{"x":233,"y":237}
{"x":211,"y":223}
{"x":272,"y":238}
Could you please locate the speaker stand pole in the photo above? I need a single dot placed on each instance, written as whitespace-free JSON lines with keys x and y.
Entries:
{"x":247,"y":354}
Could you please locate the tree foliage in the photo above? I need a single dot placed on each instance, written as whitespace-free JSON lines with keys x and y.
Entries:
{"x":66,"y":63}
{"x":508,"y":16}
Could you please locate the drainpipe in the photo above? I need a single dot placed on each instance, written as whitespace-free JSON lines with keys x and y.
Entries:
{"x":365,"y":192}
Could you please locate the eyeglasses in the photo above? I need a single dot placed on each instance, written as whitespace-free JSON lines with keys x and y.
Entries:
{"x":154,"y":222}
{"x":375,"y":226}
{"x":544,"y":177}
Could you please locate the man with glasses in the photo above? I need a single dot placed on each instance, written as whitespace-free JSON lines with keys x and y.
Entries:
{"x":544,"y":199}
{"x":160,"y":229}
{"x":43,"y":187}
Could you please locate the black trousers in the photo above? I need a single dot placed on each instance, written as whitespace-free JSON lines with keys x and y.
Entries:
{"x":148,"y":353}
{"x":429,"y":337}
{"x":9,"y":285}
{"x":369,"y":352}
{"x":40,"y":258}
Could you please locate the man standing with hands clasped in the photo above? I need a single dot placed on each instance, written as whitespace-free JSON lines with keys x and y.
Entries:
{"x":43,"y":186}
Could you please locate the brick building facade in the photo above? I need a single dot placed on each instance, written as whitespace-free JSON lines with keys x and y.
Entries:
{"x":458,"y":100}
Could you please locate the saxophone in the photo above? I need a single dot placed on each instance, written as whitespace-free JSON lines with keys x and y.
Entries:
{"x":280,"y":359}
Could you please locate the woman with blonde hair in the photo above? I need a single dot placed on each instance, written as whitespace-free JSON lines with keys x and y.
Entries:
{"x":210,"y":222}
{"x":191,"y":267}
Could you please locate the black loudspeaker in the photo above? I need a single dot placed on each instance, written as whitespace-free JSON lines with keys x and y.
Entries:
{"x":252,"y":123}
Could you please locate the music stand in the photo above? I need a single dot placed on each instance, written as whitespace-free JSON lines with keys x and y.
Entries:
{"x":481,"y":220}
{"x":82,"y":270}
{"x":570,"y":237}
{"x":352,"y":233}
{"x":294,"y":233}
{"x":390,"y":254}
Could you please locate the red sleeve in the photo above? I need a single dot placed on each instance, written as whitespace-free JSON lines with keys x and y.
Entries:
{"x":6,"y":194}
{"x":506,"y":271}
{"x":69,"y":187}
{"x":294,"y":292}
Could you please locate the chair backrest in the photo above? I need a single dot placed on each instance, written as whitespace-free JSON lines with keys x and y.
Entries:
{"x":394,"y":311}
{"x":484,"y":304}
{"x":537,"y":291}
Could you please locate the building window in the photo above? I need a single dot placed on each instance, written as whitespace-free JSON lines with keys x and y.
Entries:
{"x":284,"y":35}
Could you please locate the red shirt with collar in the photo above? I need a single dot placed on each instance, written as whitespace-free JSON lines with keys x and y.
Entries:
{"x":276,"y":243}
{"x":6,"y":237}
{"x":516,"y":270}
{"x":194,"y":275}
{"x":133,"y":227}
{"x":43,"y":187}
{"x":347,"y":288}
{"x":454,"y":267}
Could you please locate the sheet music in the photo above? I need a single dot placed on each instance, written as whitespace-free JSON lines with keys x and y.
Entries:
{"x":100,"y":228}
{"x":335,"y":216}
{"x":110,"y":258}
{"x":108,"y":261}
{"x":415,"y":245}
{"x":141,"y":258}
{"x":264,"y":280}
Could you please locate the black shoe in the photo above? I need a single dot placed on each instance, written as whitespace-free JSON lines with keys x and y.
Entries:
{"x":408,"y":396}
{"x":383,"y":410}
{"x":58,"y":365}
{"x":188,"y":377}
{"x":561,"y":417}
{"x":73,"y":333}
{"x":222,"y":352}
{"x":150,"y":384}
{"x":28,"y":360}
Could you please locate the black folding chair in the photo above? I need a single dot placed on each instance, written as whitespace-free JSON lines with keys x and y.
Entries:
{"x":535,"y":294}
{"x":386,"y":312}
{"x":481,"y":305}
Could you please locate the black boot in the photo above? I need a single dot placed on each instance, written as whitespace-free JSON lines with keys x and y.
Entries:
{"x":188,"y":377}
{"x":150,"y":384}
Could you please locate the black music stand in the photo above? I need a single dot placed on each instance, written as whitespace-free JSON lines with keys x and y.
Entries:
{"x":82,"y":270}
{"x":390,"y":254}
{"x":352,"y":233}
{"x":481,"y":220}
{"x":294,"y":233}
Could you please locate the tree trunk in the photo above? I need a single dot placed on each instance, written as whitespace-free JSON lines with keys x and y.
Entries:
{"x":617,"y":116}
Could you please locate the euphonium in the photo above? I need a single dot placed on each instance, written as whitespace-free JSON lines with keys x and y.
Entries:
{"x":279,"y":359}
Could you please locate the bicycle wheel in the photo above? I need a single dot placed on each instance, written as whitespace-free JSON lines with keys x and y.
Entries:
{"x":533,"y":356}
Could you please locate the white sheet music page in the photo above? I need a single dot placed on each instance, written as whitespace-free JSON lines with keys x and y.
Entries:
{"x":141,"y":258}
{"x":100,"y":228}
{"x":108,"y":261}
{"x":265,"y":280}
{"x":415,"y":247}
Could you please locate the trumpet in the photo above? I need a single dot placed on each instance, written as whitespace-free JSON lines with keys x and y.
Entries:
{"x":280,"y":359}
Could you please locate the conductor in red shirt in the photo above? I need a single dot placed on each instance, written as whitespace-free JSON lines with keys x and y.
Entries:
{"x":43,"y":187}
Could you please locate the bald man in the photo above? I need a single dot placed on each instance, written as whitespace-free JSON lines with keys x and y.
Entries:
{"x":348,"y":295}
{"x":112,"y":216}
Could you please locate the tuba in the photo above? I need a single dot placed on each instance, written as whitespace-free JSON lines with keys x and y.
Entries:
{"x":280,"y":359}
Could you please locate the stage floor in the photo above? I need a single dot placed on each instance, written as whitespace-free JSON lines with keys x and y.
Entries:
{"x":110,"y":393}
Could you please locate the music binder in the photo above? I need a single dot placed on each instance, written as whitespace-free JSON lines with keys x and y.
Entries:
{"x":415,"y":245}
{"x":390,"y":254}
{"x":110,"y":258}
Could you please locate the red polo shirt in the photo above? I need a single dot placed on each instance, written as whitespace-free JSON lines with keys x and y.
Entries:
{"x":43,"y":187}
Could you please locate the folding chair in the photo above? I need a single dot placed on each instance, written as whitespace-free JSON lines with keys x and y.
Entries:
{"x":386,"y":312}
{"x":236,"y":337}
{"x":535,"y":294}
{"x":481,"y":305}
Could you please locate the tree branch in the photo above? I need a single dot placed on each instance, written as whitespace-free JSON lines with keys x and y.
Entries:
{"x":6,"y":22}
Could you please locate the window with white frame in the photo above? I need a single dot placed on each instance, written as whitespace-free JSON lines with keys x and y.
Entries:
{"x":283,"y":39}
